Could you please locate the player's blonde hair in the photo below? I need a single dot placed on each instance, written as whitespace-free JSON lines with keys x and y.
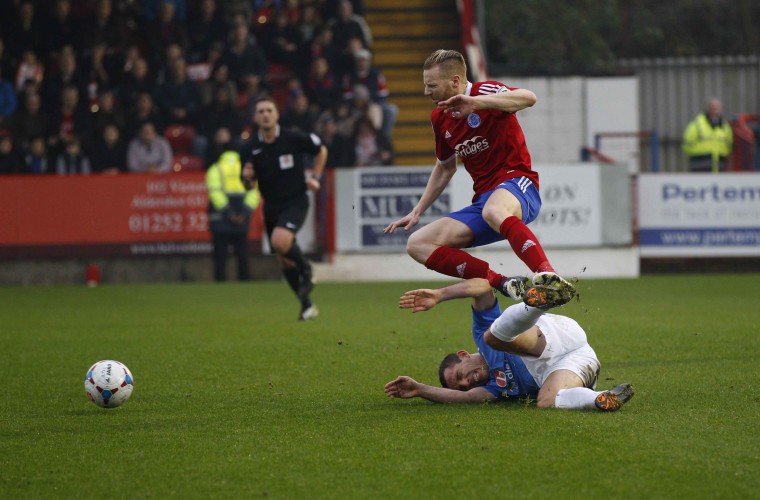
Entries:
{"x":450,"y":62}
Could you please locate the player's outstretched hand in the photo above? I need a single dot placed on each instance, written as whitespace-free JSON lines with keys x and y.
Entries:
{"x":402,"y":387}
{"x":458,"y":106}
{"x":419,"y":300}
{"x":407,"y":222}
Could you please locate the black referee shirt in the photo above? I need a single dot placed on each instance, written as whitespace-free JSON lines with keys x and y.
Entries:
{"x":278,"y":167}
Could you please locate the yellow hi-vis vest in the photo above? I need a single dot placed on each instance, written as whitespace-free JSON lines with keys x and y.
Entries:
{"x":700,"y":138}
{"x":223,"y":180}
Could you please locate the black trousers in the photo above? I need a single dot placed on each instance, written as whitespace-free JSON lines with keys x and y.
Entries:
{"x":222,"y":242}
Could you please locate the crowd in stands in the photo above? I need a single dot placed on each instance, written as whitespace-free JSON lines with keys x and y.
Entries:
{"x":111,"y":86}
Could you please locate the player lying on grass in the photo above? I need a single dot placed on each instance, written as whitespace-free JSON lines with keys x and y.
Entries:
{"x":522,"y":352}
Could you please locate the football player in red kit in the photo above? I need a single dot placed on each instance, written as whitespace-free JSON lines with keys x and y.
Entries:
{"x":477,"y":122}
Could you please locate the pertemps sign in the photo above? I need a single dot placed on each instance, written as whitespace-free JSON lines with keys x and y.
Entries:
{"x":699,"y":214}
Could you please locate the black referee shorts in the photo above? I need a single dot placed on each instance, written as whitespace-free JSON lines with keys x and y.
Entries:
{"x":290,"y":217}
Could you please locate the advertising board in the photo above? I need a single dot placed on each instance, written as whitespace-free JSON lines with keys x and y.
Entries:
{"x":699,"y":215}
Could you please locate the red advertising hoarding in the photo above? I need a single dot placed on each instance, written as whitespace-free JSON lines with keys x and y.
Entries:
{"x":106,"y":215}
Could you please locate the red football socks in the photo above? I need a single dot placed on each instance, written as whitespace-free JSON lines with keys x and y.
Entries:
{"x":525,"y":244}
{"x":460,"y":264}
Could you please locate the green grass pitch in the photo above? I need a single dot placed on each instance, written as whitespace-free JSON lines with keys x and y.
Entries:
{"x":236,"y":399}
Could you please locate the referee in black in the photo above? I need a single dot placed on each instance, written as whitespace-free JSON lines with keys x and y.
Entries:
{"x":273,"y":158}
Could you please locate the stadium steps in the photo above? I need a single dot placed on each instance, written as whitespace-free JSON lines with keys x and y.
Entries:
{"x":404,"y":33}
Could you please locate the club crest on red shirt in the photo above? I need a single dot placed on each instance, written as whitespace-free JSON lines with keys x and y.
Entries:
{"x":473,"y":120}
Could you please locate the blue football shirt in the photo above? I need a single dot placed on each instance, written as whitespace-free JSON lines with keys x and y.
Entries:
{"x":507,"y":375}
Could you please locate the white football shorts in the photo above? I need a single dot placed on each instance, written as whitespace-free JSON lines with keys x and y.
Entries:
{"x":567,"y":348}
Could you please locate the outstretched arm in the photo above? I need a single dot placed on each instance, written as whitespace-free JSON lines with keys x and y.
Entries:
{"x":461,"y":105}
{"x":425,"y":299}
{"x":439,"y":179}
{"x":407,"y":387}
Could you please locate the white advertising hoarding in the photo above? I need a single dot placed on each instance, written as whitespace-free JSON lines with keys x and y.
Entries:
{"x":584,"y":205}
{"x":699,"y":215}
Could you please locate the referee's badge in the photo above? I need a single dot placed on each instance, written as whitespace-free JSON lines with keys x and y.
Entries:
{"x":286,"y":162}
{"x":473,"y":120}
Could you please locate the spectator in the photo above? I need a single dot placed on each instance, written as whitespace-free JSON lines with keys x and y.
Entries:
{"x":29,"y":70}
{"x":337,"y":145}
{"x":345,"y":120}
{"x":107,"y":27}
{"x":246,"y":100}
{"x":72,"y":159}
{"x":152,"y":9}
{"x":322,"y":46}
{"x":345,"y":64}
{"x":202,"y":70}
{"x":347,"y":25}
{"x":130,"y":55}
{"x":220,"y":77}
{"x":8,"y":101}
{"x":67,"y":76}
{"x":30,"y":121}
{"x":36,"y":158}
{"x":62,"y":29}
{"x":106,"y":112}
{"x":162,"y":61}
{"x":144,"y":110}
{"x":360,"y":106}
{"x":101,"y":71}
{"x":221,"y":141}
{"x":298,"y":115}
{"x":220,"y":113}
{"x":309,"y":24}
{"x":207,"y":26}
{"x":25,"y":31}
{"x":707,"y":140}
{"x":149,"y":152}
{"x":109,"y":154}
{"x":370,"y":147}
{"x":244,"y":57}
{"x":167,"y":28}
{"x":178,"y":97}
{"x":229,"y":213}
{"x":322,"y":85}
{"x":282,"y":42}
{"x":370,"y":76}
{"x":70,"y":120}
{"x":11,"y":159}
{"x":136,"y":82}
{"x":30,"y":87}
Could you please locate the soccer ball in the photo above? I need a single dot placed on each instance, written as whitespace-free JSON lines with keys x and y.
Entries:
{"x":108,"y":383}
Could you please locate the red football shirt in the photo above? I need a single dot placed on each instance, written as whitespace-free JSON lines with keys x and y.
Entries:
{"x":489,"y":142}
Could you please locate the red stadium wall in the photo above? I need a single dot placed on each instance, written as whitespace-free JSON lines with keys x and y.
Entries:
{"x":105,"y":215}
